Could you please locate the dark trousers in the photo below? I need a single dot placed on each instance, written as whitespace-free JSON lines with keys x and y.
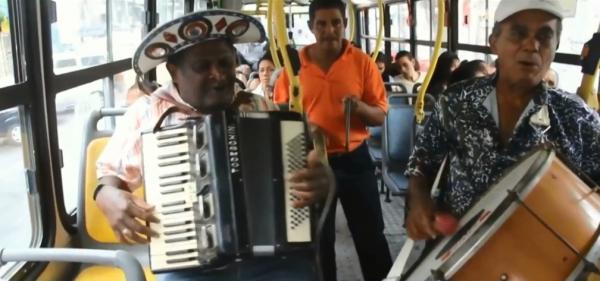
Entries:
{"x":358,"y":193}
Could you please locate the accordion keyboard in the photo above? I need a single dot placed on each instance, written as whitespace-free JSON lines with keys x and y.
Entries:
{"x":179,"y":204}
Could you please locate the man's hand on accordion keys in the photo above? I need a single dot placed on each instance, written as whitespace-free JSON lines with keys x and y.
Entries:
{"x":126,"y":214}
{"x":311,"y":184}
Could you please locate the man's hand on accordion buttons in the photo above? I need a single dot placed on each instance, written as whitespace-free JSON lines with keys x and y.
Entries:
{"x":124,"y":211}
{"x":311,"y":184}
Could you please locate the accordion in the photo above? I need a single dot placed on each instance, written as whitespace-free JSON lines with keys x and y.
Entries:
{"x":218,"y":186}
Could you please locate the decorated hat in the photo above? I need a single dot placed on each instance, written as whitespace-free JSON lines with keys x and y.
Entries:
{"x":181,"y":33}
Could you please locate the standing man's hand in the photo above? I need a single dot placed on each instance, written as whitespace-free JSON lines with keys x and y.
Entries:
{"x":124,"y":211}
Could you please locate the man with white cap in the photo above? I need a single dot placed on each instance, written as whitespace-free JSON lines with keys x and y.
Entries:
{"x":201,"y":59}
{"x":485,"y":125}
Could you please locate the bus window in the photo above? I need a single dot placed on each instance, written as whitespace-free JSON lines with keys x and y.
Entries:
{"x":127,"y":27}
{"x":7,"y":76}
{"x":472,"y":16}
{"x":569,"y":76}
{"x":72,"y":110}
{"x":579,"y":29}
{"x":302,"y":34}
{"x":79,"y":37}
{"x":169,"y":9}
{"x":399,"y":18}
{"x":17,"y":228}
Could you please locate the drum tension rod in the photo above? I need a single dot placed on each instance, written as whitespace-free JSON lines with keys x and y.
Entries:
{"x":587,"y":264}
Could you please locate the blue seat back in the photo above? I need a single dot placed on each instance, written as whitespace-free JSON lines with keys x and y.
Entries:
{"x":398,"y":134}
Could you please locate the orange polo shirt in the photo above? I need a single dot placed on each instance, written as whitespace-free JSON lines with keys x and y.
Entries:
{"x":354,"y":73}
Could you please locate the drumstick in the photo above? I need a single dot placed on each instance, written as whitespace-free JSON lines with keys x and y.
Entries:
{"x":398,"y":267}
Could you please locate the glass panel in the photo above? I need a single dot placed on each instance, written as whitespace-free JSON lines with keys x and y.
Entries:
{"x":472,"y":22}
{"x":373,"y":17}
{"x":169,"y":9}
{"x":423,"y":57}
{"x":7,"y":76}
{"x":73,"y":107}
{"x":579,"y":29}
{"x":569,"y":76}
{"x":468,"y":55}
{"x":423,"y":13}
{"x":127,"y":26}
{"x":79,"y":35}
{"x":16,"y":228}
{"x":301,"y":32}
{"x":403,"y":27}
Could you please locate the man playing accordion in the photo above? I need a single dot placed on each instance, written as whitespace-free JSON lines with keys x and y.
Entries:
{"x":201,"y":60}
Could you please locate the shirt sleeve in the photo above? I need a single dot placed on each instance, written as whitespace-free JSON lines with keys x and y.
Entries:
{"x":431,"y":145}
{"x":122,"y":155}
{"x":281,"y":91}
{"x":374,"y":91}
{"x":589,"y":128}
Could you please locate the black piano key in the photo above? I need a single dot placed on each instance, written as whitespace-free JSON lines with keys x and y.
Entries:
{"x":170,"y":191}
{"x":181,"y":260}
{"x":174,"y":162}
{"x":179,"y":231}
{"x":171,"y":143}
{"x":173,"y":224}
{"x":174,"y":203}
{"x":176,"y":211}
{"x":180,"y":252}
{"x":180,"y":239}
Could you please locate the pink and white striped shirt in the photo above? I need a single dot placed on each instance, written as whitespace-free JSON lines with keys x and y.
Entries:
{"x":122,"y":156}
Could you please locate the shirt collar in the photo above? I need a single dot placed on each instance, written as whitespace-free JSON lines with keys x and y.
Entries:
{"x":347,"y":45}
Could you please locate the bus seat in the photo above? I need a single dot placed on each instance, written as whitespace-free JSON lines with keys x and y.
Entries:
{"x":94,"y":230}
{"x":397,"y":143}
{"x":102,"y":273}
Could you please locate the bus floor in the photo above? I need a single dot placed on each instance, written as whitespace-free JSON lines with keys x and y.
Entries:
{"x":346,"y":258}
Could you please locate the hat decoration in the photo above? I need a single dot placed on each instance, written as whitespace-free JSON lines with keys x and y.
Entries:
{"x":189,"y":30}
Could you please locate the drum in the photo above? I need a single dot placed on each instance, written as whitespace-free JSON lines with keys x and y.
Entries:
{"x":540,"y":221}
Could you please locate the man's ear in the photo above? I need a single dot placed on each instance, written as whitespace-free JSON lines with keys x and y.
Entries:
{"x":492,"y":40}
{"x":172,"y":69}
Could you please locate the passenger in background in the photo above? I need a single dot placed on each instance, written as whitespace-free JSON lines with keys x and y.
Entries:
{"x":407,"y":67}
{"x":242,"y":72}
{"x":551,"y":78}
{"x":332,"y":70}
{"x":468,"y":70}
{"x":447,"y":62}
{"x":381,"y":61}
{"x":266,"y":66}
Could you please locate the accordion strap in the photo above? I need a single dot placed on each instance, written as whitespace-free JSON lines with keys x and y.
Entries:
{"x":162,"y":117}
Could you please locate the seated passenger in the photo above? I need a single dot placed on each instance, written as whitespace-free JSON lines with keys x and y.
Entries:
{"x":447,"y":62}
{"x":551,"y":78}
{"x":468,"y":70}
{"x":266,"y":66}
{"x":407,"y":68}
{"x":203,"y":75}
{"x":381,"y":62}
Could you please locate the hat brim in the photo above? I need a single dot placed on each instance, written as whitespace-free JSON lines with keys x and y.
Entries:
{"x":181,"y":33}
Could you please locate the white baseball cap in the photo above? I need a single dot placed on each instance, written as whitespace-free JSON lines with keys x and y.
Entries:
{"x":507,"y":8}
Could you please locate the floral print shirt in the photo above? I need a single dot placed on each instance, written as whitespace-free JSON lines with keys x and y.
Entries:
{"x":464,"y":126}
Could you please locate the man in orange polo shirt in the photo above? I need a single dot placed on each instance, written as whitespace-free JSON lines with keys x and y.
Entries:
{"x":332,"y":70}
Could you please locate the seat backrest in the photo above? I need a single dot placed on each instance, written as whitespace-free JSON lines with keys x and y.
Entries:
{"x":398,"y":134}
{"x":93,"y":226}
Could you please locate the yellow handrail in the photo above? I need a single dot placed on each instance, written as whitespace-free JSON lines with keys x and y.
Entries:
{"x":420,"y":104}
{"x":379,"y":32}
{"x":272,"y":43}
{"x":352,"y":18}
